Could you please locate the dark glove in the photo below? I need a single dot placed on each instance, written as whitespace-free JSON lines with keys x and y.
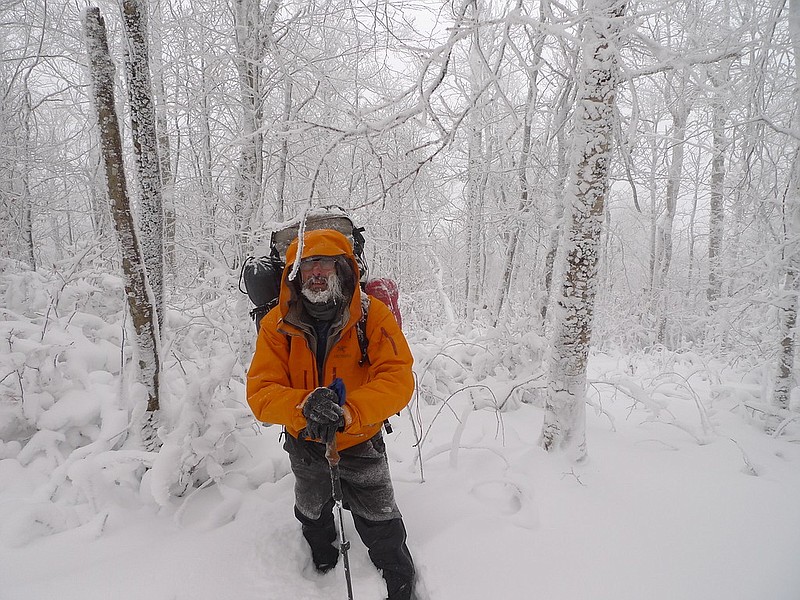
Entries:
{"x":323,"y":414}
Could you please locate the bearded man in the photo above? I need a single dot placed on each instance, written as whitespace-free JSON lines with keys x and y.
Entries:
{"x":305,"y":344}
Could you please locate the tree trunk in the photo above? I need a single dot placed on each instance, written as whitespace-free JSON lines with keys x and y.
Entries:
{"x":145,"y":144}
{"x":283,"y":164}
{"x":788,"y":303}
{"x":565,"y":412}
{"x":249,"y":59}
{"x":438,"y":280}
{"x":209,"y":206}
{"x":717,"y":215}
{"x":137,"y":289}
{"x":655,"y":160}
{"x":164,"y":145}
{"x":27,"y":216}
{"x":475,"y":169}
{"x":680,"y":115}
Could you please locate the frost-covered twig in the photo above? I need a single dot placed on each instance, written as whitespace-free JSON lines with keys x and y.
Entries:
{"x":444,"y":448}
{"x":536,"y":377}
{"x":701,"y":409}
{"x":784,"y":424}
{"x":446,"y":403}
{"x":749,"y":467}
{"x":599,"y":405}
{"x":575,"y":475}
{"x":644,"y":397}
{"x":417,"y":439}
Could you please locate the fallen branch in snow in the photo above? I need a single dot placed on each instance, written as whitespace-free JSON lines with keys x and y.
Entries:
{"x":446,"y":403}
{"x":439,"y":450}
{"x":575,"y":475}
{"x":749,"y":467}
{"x":784,"y":424}
{"x":417,"y":443}
{"x":644,"y":397}
{"x":701,"y":409}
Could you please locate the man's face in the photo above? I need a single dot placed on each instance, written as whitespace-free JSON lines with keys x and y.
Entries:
{"x":319,"y":278}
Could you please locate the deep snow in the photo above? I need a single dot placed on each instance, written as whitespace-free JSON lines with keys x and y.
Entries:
{"x":684,"y":496}
{"x":652,"y":514}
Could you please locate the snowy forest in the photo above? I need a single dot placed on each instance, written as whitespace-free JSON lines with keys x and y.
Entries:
{"x":591,"y":209}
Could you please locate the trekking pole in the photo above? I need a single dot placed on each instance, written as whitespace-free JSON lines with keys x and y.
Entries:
{"x":332,"y":454}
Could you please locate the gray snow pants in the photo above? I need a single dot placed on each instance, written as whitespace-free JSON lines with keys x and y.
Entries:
{"x":367,"y":492}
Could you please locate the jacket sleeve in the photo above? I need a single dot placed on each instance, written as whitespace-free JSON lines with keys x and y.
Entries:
{"x":390,"y":380}
{"x":269,"y":392}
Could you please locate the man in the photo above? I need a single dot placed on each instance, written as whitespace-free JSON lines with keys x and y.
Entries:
{"x":307,"y":342}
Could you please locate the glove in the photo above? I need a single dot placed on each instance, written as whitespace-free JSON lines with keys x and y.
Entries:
{"x":323,"y":414}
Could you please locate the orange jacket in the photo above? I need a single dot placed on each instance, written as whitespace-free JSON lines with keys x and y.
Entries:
{"x":284,"y":368}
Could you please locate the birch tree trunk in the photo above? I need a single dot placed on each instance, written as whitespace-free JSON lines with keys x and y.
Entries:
{"x":788,"y":304}
{"x":283,"y":158}
{"x":564,"y":427}
{"x":137,"y":289}
{"x":27,"y":212}
{"x":164,"y":145}
{"x":720,"y":81}
{"x":476,"y":167}
{"x":145,"y":145}
{"x":679,"y":111}
{"x":249,"y":58}
{"x":205,"y":168}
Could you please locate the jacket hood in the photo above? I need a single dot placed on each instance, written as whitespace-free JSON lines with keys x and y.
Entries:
{"x":320,"y":242}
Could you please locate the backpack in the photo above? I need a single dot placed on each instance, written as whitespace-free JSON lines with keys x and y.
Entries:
{"x":261,"y":275}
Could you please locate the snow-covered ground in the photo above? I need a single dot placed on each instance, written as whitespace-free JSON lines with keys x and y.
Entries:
{"x":683,"y":497}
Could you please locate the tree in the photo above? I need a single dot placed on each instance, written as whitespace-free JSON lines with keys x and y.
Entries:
{"x":564,"y":425}
{"x":250,"y":51}
{"x":719,"y":80}
{"x":137,"y":290}
{"x":145,"y":144}
{"x":788,"y":303}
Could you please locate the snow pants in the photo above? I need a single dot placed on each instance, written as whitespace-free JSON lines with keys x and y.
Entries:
{"x":367,"y":492}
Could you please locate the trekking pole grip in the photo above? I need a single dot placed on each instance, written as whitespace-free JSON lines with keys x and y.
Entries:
{"x":332,"y":453}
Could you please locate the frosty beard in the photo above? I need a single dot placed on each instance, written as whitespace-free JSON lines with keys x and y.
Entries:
{"x":332,"y":292}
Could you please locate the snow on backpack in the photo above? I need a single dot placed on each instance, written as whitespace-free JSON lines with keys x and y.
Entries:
{"x":262,"y":275}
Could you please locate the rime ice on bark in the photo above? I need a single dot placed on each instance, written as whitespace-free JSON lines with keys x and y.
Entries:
{"x":249,"y":57}
{"x":791,"y":284}
{"x":565,"y":415}
{"x":137,"y":290}
{"x":145,"y":144}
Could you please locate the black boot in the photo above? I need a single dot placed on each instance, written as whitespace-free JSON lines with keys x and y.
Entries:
{"x":320,"y":534}
{"x":386,"y":541}
{"x":399,"y":587}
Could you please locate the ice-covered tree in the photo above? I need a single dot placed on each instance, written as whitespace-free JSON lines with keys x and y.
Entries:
{"x":564,"y":425}
{"x":145,"y":144}
{"x":137,"y":288}
{"x":790,"y":254}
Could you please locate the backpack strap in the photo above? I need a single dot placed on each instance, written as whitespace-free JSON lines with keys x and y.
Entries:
{"x":361,"y":331}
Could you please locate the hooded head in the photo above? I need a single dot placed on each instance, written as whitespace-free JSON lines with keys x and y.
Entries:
{"x":320,"y":244}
